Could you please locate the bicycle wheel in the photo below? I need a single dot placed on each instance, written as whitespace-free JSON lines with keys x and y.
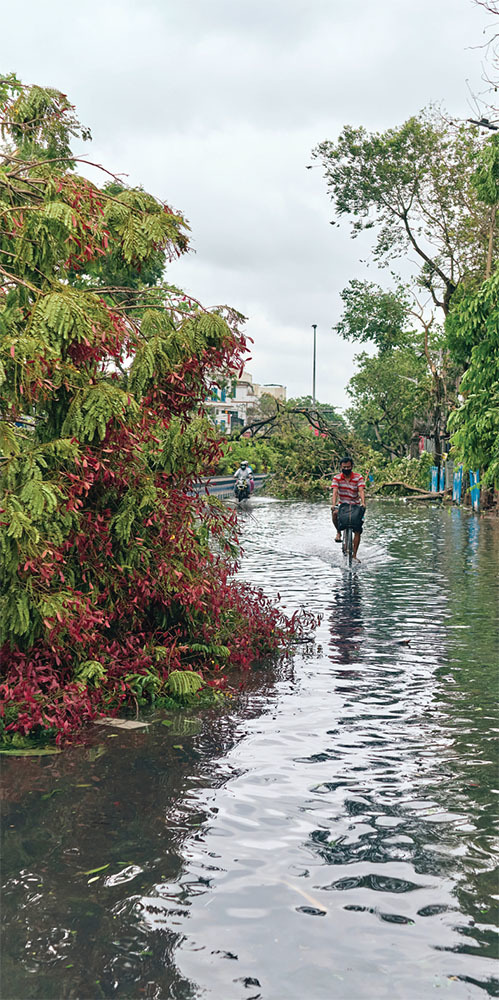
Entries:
{"x":348,"y":544}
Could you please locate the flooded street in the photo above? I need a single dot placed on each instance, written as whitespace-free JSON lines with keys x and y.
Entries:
{"x":330,"y":837}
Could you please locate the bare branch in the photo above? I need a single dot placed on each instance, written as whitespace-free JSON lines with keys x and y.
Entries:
{"x":491,"y":5}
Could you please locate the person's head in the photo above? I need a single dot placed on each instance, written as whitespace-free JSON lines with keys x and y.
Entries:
{"x":346,"y":466}
{"x":244,"y":464}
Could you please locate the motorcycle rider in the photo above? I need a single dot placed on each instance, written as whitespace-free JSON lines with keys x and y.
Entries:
{"x":244,"y":474}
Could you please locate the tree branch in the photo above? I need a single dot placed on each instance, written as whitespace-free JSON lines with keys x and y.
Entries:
{"x":313,"y":416}
{"x":450,"y":287}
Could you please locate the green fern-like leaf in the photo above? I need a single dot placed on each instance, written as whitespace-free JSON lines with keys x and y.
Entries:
{"x":90,"y":672}
{"x":89,"y":414}
{"x":211,"y":651}
{"x":9,"y":444}
{"x":183,"y":682}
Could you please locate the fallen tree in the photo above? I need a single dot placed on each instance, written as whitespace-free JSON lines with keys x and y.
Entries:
{"x":405,"y":486}
{"x":116,"y":578}
{"x":281,"y":416}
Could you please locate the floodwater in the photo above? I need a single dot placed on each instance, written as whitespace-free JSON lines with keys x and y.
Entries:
{"x":330,"y":835}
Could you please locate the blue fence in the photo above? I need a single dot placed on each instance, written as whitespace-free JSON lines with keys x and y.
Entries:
{"x":457,"y":485}
{"x":445,"y":476}
{"x":475,"y":489}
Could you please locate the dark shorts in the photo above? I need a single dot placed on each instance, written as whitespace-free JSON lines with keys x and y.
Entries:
{"x":351,"y":515}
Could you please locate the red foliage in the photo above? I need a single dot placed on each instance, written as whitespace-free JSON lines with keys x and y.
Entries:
{"x":39,"y":682}
{"x":170,"y":585}
{"x":179,"y":592}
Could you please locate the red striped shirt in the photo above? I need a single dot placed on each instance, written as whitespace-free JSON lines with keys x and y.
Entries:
{"x":348,"y":489}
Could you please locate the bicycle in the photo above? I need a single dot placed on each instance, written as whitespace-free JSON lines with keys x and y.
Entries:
{"x":349,"y":521}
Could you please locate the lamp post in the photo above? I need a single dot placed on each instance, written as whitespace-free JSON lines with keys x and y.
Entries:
{"x":314,"y":328}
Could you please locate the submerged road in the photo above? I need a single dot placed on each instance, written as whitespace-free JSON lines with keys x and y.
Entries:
{"x":330,"y":836}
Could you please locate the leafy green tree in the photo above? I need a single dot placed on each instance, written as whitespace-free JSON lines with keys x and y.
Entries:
{"x":114,"y":574}
{"x":133,"y":284}
{"x":261,"y":455}
{"x":485,"y":180}
{"x":473,"y":332}
{"x":388,"y":393}
{"x":409,"y":385}
{"x":374,"y":314}
{"x":413,"y":186}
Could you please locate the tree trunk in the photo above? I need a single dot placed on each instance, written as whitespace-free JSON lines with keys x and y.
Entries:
{"x":414,"y":442}
{"x":492,"y":227}
{"x":437,"y":431}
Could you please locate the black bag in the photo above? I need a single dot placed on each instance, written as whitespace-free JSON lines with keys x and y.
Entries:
{"x":350,"y":515}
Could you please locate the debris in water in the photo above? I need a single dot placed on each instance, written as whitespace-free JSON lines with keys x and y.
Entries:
{"x":310,"y":899}
{"x":121,"y":723}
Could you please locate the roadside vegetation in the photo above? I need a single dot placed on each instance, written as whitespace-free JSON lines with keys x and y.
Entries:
{"x":428,"y":191}
{"x":117,"y":588}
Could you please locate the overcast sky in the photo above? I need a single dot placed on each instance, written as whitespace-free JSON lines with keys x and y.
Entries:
{"x":215,"y":105}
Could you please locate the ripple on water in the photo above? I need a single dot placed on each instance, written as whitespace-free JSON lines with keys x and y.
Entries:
{"x":332,"y":837}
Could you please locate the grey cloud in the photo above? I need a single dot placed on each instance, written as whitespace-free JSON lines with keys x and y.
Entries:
{"x":215,"y":105}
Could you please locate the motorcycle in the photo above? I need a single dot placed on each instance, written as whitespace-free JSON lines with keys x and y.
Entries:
{"x":242,"y":490}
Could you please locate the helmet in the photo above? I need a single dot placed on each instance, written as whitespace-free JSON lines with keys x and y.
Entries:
{"x":243,"y":463}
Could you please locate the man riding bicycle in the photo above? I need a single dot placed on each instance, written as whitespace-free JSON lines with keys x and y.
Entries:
{"x":348,"y":487}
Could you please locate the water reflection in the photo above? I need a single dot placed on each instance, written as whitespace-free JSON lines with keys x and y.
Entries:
{"x":346,"y":621}
{"x":333,"y":837}
{"x":125,"y":805}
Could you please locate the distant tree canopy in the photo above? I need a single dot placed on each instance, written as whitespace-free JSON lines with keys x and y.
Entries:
{"x":428,"y":189}
{"x":413,"y":187}
{"x":388,"y":392}
{"x":374,"y":314}
{"x":408,"y":387}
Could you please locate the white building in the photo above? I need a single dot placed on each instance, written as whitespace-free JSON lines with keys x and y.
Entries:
{"x":232,"y":406}
{"x":272,"y":389}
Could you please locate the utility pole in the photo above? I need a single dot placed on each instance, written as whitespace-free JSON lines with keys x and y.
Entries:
{"x":314,"y":328}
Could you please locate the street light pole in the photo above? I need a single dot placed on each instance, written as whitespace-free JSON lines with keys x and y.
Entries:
{"x":314,"y":328}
